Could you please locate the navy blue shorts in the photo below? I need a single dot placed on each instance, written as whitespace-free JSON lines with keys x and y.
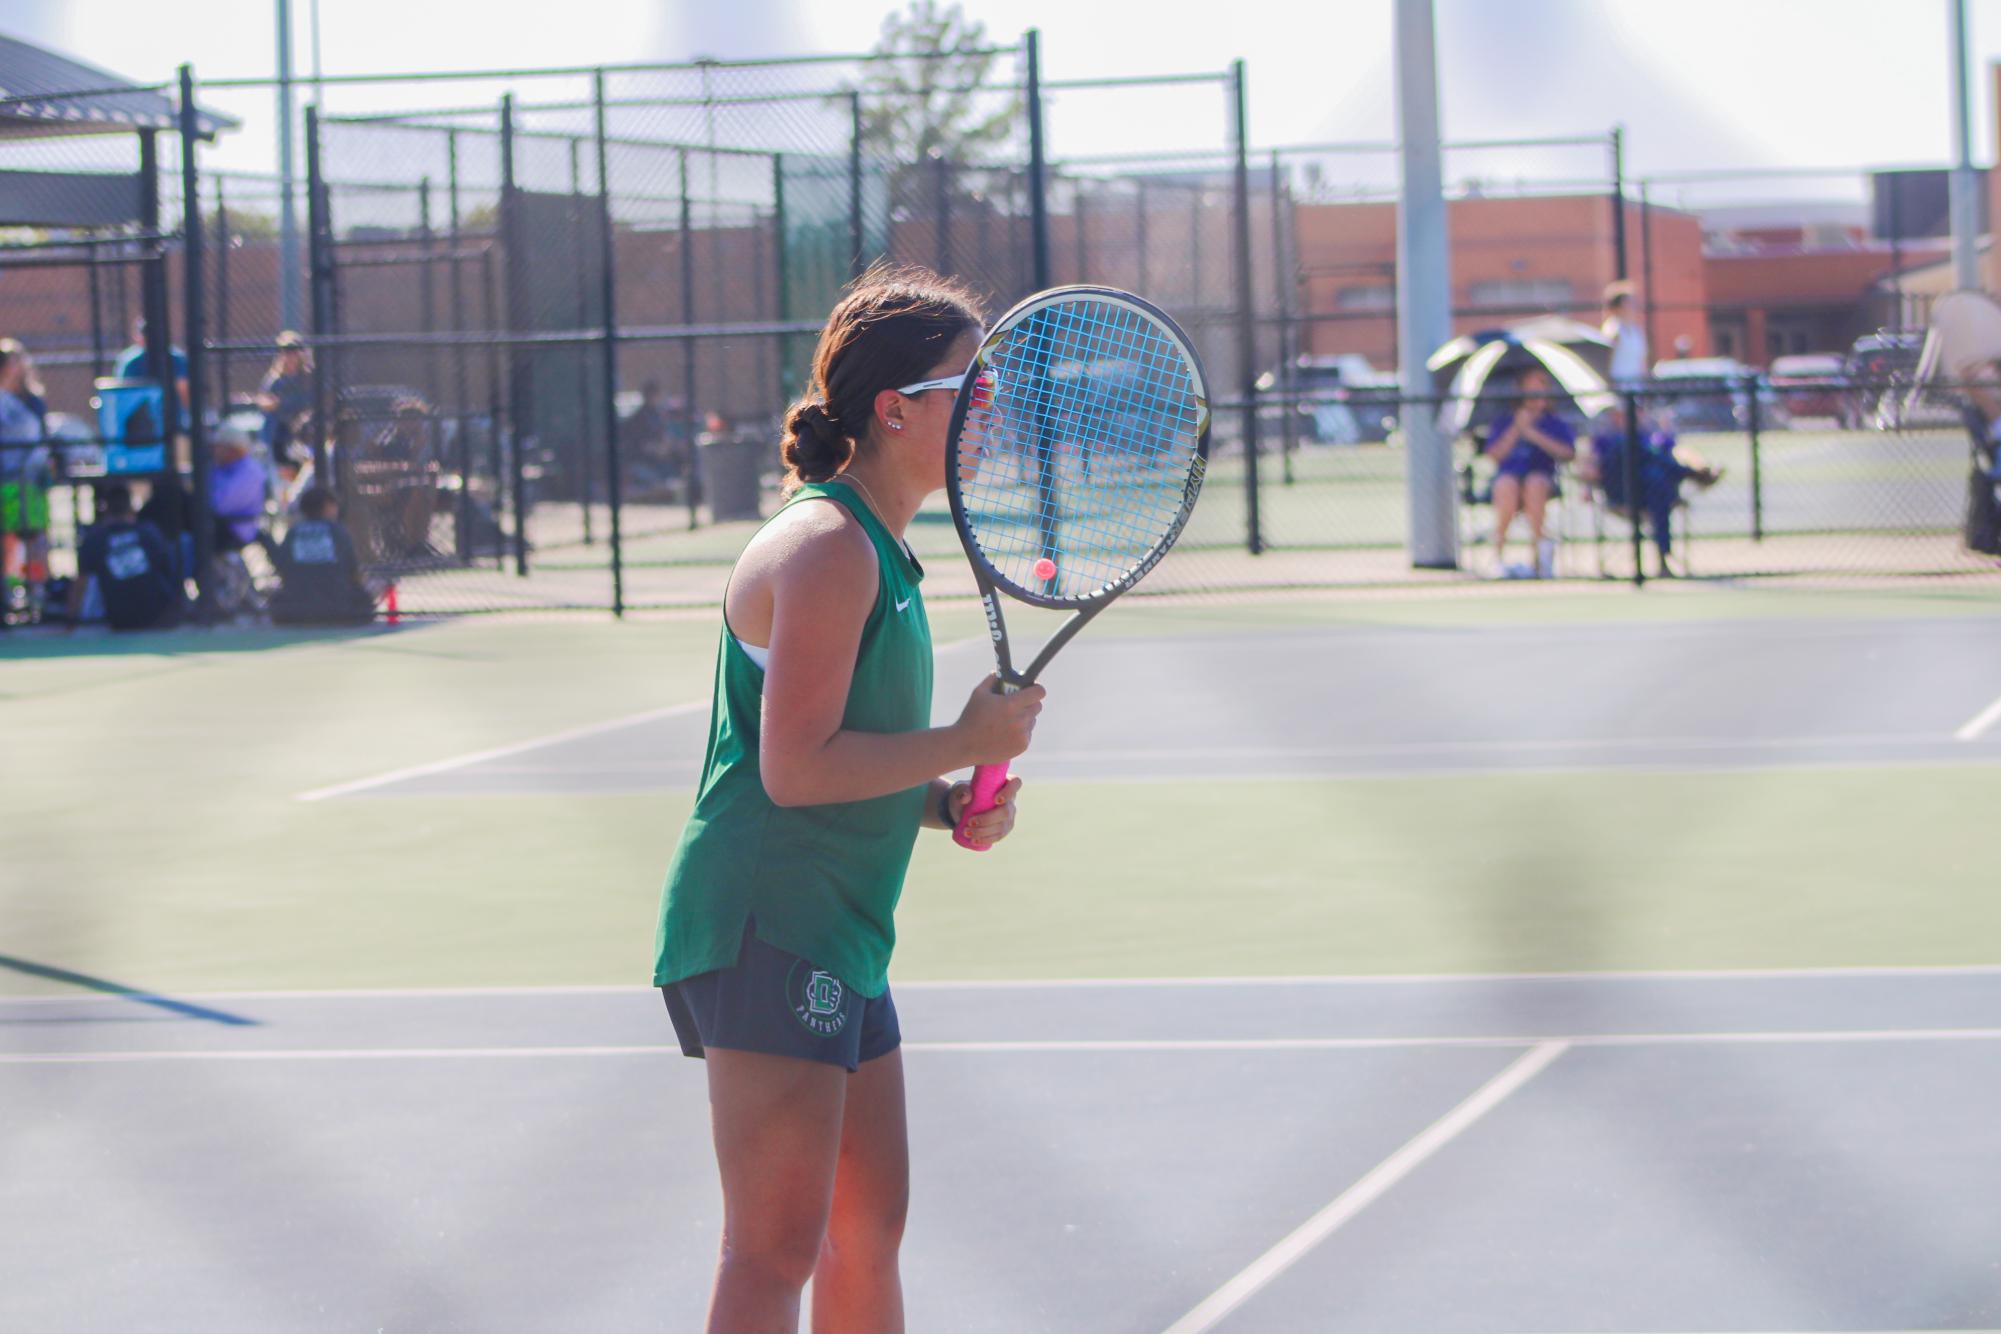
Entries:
{"x":778,"y":1003}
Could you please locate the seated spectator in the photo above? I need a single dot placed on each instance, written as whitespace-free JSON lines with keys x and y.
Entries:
{"x":404,"y":477}
{"x":321,"y":573}
{"x":1663,"y":468}
{"x":237,"y":487}
{"x":1982,"y":386}
{"x":643,"y":438}
{"x":1962,"y":359}
{"x":132,"y":567}
{"x":1526,"y":446}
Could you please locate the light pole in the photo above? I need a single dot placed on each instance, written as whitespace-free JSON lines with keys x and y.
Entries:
{"x":290,"y":297}
{"x":1965,"y":204}
{"x":1424,"y":291}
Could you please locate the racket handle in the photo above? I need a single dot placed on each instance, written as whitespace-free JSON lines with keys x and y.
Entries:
{"x":988,"y":780}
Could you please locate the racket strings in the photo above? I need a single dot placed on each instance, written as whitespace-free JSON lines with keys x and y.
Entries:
{"x":1081,"y":459}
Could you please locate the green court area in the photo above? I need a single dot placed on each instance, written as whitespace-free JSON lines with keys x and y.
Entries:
{"x":1355,"y":497}
{"x":156,"y":837}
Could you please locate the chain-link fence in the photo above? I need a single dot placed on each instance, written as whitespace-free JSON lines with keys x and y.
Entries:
{"x":1733,"y":482}
{"x":90,"y":273}
{"x":547,"y":337}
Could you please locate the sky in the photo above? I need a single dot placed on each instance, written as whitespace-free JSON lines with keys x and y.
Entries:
{"x":1697,"y":85}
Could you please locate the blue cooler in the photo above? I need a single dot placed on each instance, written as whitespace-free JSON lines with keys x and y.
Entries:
{"x":130,"y":414}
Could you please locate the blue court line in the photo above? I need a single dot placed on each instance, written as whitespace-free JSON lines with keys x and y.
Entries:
{"x":128,"y":993}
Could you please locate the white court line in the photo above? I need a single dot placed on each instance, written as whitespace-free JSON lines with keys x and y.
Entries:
{"x":1490,"y":745}
{"x":498,"y":752}
{"x":1139,"y":1046}
{"x":1365,"y":1192}
{"x":1081,"y":983}
{"x":536,"y":743}
{"x":1979,"y":723}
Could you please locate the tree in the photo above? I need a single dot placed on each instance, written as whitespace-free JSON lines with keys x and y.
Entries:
{"x":926,"y":95}
{"x":248,"y":225}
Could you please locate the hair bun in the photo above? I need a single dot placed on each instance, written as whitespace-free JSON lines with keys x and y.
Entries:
{"x":815,"y":446}
{"x":814,"y":417}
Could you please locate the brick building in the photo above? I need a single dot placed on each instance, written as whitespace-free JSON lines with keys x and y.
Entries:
{"x":1512,"y":258}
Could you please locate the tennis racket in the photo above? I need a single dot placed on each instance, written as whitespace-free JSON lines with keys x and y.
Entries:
{"x":1077,"y":446}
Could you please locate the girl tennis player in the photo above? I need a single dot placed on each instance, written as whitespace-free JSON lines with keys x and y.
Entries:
{"x":776,"y":929}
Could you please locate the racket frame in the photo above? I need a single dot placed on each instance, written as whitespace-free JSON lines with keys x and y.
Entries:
{"x":988,"y":779}
{"x":990,"y":581}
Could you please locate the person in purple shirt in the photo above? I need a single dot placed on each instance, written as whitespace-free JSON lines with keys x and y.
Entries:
{"x":237,"y":486}
{"x":1526,"y":446}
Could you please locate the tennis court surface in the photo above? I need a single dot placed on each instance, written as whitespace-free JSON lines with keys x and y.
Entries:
{"x":1521,"y":963}
{"x":1716,"y":1152}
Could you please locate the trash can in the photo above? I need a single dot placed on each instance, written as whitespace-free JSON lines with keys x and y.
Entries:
{"x":730,"y":465}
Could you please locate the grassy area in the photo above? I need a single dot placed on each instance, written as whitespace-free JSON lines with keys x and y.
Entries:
{"x":153,"y":837}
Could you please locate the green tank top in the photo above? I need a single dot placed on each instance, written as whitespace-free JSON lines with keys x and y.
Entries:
{"x":820,"y":881}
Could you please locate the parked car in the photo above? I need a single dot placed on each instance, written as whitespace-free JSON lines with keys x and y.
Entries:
{"x":1714,"y":394}
{"x":1813,"y":384}
{"x":1341,"y":399}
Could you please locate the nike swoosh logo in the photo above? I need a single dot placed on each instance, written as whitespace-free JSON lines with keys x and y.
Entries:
{"x":901,"y":605}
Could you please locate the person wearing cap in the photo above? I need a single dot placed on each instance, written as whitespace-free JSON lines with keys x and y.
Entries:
{"x":285,"y":394}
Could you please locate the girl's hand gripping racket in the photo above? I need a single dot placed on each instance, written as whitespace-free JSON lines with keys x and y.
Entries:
{"x":1075,"y":453}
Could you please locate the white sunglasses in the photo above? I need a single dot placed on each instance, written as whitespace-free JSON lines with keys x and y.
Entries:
{"x":952,"y":382}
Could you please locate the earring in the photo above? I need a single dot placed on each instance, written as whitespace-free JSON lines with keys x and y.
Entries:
{"x":894,"y":426}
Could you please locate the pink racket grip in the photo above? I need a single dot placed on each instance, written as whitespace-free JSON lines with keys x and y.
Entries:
{"x":988,"y":780}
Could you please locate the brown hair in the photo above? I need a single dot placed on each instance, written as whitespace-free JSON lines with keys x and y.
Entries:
{"x":891,"y":327}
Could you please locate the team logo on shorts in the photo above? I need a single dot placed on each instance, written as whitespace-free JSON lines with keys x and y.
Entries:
{"x":815,"y":996}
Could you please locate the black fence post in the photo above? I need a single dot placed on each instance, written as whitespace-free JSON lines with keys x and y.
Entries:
{"x":942,"y":205}
{"x":1630,"y":467}
{"x":193,"y":293}
{"x":782,"y":291}
{"x":1282,"y":277}
{"x":1247,"y":328}
{"x":97,"y":312}
{"x":1080,"y":218}
{"x":691,"y":463}
{"x":1751,"y":420}
{"x":1197,"y":197}
{"x":427,"y":300}
{"x":496,"y":406}
{"x":221,"y":299}
{"x":1139,"y":230}
{"x":1038,"y":169}
{"x":319,"y":266}
{"x":855,"y":241}
{"x":514,"y":256}
{"x":586,"y":481}
{"x":1647,"y":266}
{"x":153,"y":305}
{"x":607,"y":296}
{"x":461,"y":386}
